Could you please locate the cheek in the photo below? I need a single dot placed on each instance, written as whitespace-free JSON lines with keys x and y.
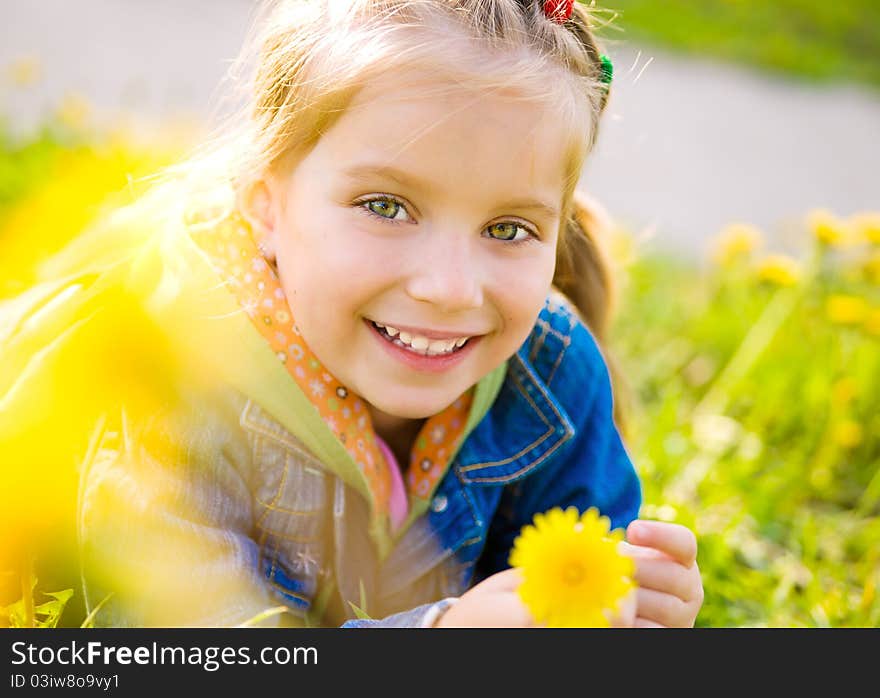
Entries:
{"x":327,"y":292}
{"x":326,"y":258}
{"x":520,"y":295}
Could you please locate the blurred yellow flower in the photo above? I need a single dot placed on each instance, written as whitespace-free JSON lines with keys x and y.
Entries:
{"x":847,"y":433}
{"x":82,"y":184}
{"x":845,"y":310}
{"x":872,"y":322}
{"x":25,"y":71}
{"x":843,"y":391}
{"x":869,"y":593}
{"x":866,"y":226}
{"x":734,"y":242}
{"x":573,"y":573}
{"x":622,"y":247}
{"x":872,"y":268}
{"x":779,"y":270}
{"x":827,"y":228}
{"x":74,"y":111}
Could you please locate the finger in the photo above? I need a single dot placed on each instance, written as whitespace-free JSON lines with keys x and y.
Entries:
{"x":665,"y":609}
{"x":639,"y":552}
{"x":500,"y":610}
{"x":675,"y":540}
{"x":510,"y":612}
{"x":669,"y":577}
{"x":645,"y":623}
{"x":625,"y":615}
{"x":506,"y":580}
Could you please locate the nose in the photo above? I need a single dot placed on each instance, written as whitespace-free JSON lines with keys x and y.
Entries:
{"x":446,"y":273}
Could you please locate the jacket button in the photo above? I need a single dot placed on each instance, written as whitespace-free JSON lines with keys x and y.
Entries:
{"x":438,"y":504}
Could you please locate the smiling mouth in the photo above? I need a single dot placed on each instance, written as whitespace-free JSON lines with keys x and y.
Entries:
{"x":422,"y":346}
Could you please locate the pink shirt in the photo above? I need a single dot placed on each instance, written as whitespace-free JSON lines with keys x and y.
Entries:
{"x":398,"y":504}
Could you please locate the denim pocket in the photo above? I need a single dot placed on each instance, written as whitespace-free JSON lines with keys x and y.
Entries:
{"x":291,"y":530}
{"x":290,"y":490}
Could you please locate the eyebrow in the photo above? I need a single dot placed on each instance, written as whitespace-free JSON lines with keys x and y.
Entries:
{"x":532,"y":205}
{"x":365,"y":172}
{"x":362,"y":172}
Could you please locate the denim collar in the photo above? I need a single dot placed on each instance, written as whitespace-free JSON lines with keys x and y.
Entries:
{"x":524,"y":427}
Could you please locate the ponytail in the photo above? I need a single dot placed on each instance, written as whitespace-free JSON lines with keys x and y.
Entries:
{"x":584,"y":275}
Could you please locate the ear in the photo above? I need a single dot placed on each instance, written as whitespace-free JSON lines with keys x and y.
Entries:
{"x":257,"y":205}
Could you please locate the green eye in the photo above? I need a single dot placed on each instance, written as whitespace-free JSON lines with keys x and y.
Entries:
{"x":384,"y":207}
{"x":505,"y":231}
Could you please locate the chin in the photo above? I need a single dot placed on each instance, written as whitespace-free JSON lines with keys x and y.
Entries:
{"x":415,"y":406}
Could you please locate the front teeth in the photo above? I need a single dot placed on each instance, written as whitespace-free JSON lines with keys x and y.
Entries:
{"x":423,"y":345}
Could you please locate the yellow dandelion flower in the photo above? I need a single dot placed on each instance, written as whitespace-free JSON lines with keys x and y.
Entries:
{"x":845,"y":310}
{"x":844,"y":391}
{"x":866,"y":226}
{"x":779,"y":270}
{"x":74,"y":111}
{"x":847,"y":433}
{"x":871,"y":268}
{"x":573,"y":574}
{"x":872,"y":322}
{"x":622,"y":247}
{"x":734,"y":242}
{"x":827,"y":228}
{"x":25,"y":71}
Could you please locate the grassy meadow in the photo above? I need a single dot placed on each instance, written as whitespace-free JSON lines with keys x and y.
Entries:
{"x":754,"y":394}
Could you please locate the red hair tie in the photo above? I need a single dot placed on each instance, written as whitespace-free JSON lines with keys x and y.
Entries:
{"x":558,"y":10}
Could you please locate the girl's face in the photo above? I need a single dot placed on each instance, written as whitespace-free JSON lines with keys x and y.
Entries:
{"x":416,"y":241}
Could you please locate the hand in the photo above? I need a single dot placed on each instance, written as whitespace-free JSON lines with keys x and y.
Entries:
{"x":670,"y":591}
{"x":495,"y":603}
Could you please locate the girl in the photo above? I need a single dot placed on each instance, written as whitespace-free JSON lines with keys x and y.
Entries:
{"x":368,"y":320}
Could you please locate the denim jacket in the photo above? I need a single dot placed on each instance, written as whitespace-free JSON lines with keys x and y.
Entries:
{"x":209,"y":511}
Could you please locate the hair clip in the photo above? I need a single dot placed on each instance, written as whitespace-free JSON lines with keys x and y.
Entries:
{"x":558,"y":11}
{"x":607,"y":70}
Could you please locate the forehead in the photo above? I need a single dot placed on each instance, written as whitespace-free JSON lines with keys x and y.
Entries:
{"x":431,"y":124}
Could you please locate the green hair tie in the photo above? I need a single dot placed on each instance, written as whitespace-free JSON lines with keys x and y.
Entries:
{"x":607,"y":70}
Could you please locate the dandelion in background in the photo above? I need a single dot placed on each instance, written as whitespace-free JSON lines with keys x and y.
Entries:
{"x":778,"y":270}
{"x":844,"y":391}
{"x":846,"y":310}
{"x":74,"y":111}
{"x":872,"y":322}
{"x":866,"y":227}
{"x":25,"y":71}
{"x":735,"y":242}
{"x":847,"y":433}
{"x":871,"y":268}
{"x":827,"y":229}
{"x":573,"y":573}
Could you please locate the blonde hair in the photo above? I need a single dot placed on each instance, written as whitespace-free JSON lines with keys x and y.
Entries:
{"x":304,"y":60}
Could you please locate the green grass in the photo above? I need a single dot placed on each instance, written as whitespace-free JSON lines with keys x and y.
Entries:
{"x":738,"y":394}
{"x":811,"y":39}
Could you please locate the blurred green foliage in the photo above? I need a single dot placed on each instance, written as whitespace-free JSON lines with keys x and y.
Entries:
{"x":813,"y":39}
{"x":25,"y":162}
